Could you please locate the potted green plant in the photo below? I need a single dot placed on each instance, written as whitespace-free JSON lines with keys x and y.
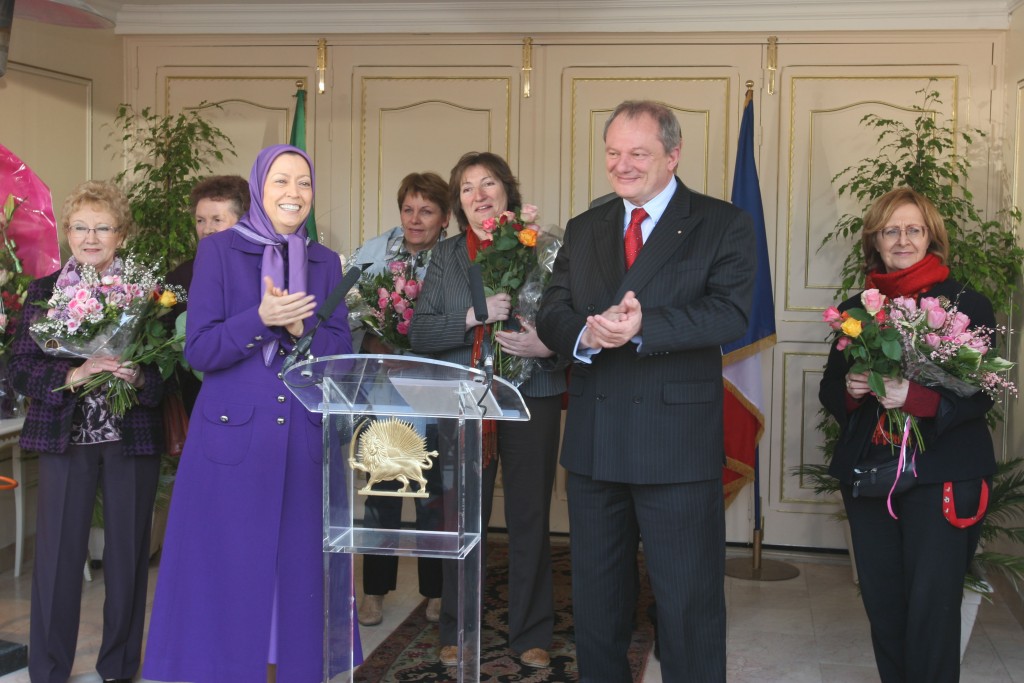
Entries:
{"x":171,"y":154}
{"x":984,"y":253}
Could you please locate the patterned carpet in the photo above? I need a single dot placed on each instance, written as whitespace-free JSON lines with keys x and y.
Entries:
{"x":410,"y":652}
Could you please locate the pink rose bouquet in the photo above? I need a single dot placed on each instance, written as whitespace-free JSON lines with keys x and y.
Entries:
{"x":389,"y":299}
{"x":517,"y":260}
{"x":929,"y":342}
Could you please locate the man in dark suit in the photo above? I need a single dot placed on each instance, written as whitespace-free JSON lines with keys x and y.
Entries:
{"x":643,"y":435}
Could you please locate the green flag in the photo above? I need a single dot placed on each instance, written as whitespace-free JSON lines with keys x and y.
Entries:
{"x":298,"y":139}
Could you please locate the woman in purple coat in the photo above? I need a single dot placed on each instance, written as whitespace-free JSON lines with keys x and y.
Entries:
{"x":241,"y":575}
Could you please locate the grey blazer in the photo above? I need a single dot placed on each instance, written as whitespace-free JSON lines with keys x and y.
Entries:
{"x":438,"y":327}
{"x":653,"y":413}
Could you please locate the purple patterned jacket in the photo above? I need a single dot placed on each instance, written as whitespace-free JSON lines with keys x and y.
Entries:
{"x":48,"y":422}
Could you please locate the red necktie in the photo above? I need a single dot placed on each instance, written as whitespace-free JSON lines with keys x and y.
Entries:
{"x":634,"y":237}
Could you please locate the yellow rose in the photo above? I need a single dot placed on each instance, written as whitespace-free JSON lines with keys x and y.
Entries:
{"x":528,"y":237}
{"x":851,"y":327}
{"x":167,"y":299}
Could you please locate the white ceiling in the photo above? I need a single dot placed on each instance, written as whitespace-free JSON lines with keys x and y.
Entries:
{"x":518,"y":16}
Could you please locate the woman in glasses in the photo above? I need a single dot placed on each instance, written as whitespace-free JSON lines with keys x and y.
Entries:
{"x":912,"y":548}
{"x":82,"y":445}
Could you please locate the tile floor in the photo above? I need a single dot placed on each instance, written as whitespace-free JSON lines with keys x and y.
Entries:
{"x":810,"y":629}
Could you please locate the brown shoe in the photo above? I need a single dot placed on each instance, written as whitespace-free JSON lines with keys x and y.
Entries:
{"x":449,"y":655}
{"x":536,"y":657}
{"x":433,"y":610}
{"x":371,"y":610}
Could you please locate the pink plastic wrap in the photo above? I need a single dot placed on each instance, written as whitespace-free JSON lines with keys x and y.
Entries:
{"x":32,"y":227}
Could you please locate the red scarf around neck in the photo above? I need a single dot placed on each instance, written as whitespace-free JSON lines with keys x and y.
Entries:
{"x":912,"y":281}
{"x":490,"y":427}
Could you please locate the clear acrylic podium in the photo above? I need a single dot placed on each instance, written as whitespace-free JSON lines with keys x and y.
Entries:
{"x":442,"y":401}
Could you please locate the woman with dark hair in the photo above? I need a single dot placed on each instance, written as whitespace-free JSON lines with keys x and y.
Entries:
{"x":216,"y":204}
{"x":242,"y":570}
{"x":445,"y":327}
{"x":912,"y":560}
{"x":423,"y":203}
{"x":82,"y":445}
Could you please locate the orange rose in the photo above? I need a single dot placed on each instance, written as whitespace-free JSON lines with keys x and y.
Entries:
{"x":528,"y":237}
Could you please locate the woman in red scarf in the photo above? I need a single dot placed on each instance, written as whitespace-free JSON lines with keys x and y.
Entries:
{"x":912,"y":561}
{"x":445,"y":327}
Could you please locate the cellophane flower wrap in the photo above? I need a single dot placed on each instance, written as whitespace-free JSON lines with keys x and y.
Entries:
{"x":114,"y":314}
{"x":930,"y":342}
{"x":517,"y":261}
{"x":14,"y":281}
{"x":383,"y":303}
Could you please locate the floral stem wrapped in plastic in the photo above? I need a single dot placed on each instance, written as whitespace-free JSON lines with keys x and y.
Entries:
{"x":14,"y":281}
{"x":115,"y":314}
{"x":517,"y":369}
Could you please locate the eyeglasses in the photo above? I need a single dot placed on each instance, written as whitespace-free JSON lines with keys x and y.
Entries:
{"x":100,"y":230}
{"x":913,"y":233}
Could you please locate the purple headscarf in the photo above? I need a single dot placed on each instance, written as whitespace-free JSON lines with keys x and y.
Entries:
{"x":256,"y":227}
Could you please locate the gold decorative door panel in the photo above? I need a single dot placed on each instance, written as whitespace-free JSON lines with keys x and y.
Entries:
{"x":706,"y":100}
{"x":410,"y":119}
{"x":61,"y":151}
{"x":822,"y":96}
{"x":821,"y":115}
{"x":797,"y":515}
{"x":252,"y":103}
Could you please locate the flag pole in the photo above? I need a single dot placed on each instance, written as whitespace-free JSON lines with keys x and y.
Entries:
{"x":298,"y":139}
{"x":756,"y":568}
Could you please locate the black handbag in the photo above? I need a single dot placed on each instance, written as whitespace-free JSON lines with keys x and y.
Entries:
{"x":875,"y":477}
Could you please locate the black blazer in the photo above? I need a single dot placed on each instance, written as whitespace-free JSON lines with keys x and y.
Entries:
{"x":957,"y":441}
{"x":653,"y":413}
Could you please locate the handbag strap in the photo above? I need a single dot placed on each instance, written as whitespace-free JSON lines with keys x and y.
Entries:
{"x":901,"y":464}
{"x":949,"y":508}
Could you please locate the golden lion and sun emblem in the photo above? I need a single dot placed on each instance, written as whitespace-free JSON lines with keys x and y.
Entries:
{"x":391,"y":450}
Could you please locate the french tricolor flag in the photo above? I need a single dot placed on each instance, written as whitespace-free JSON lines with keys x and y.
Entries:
{"x":744,"y":414}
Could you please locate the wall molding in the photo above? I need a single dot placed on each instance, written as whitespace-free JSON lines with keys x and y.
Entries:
{"x":568,"y":16}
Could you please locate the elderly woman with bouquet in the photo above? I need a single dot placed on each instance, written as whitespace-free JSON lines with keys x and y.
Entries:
{"x":84,"y":442}
{"x":915,"y":456}
{"x":445,"y":327}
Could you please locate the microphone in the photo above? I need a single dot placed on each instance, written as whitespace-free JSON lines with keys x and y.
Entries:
{"x":326,"y":309}
{"x":476,"y":290}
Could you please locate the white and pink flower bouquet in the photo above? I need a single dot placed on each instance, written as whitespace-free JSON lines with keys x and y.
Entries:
{"x":930,"y":342}
{"x":387,"y":302}
{"x":941,"y":349}
{"x":116,"y":314}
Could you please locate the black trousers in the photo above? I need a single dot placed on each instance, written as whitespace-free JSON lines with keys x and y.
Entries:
{"x":67,"y":492}
{"x":911,"y":573}
{"x":683,"y":531}
{"x":528,"y":454}
{"x":380,"y":572}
